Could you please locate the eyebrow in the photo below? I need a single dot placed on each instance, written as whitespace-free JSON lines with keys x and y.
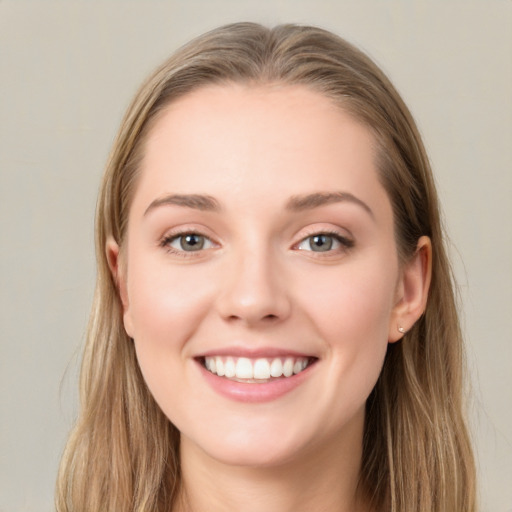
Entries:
{"x":195,"y":201}
{"x":295,"y":203}
{"x":317,"y":199}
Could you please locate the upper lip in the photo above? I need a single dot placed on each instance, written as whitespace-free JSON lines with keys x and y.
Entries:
{"x":253,"y":352}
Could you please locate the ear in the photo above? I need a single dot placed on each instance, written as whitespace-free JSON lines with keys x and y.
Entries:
{"x":412,"y":290}
{"x":119,"y":275}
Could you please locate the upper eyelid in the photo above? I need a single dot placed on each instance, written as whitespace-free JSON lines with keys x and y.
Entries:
{"x":187,"y":230}
{"x":342,"y":233}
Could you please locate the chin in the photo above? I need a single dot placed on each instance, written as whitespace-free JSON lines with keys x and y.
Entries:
{"x":257,"y":444}
{"x":252,"y":455}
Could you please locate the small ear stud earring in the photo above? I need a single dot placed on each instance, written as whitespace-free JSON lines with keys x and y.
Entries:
{"x":401,"y":329}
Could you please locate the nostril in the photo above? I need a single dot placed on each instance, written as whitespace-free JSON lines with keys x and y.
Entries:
{"x":269,"y":317}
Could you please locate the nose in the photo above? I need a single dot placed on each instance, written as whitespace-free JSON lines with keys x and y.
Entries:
{"x":254,"y":291}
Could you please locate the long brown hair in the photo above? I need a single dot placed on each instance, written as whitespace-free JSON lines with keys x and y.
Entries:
{"x":123,"y":453}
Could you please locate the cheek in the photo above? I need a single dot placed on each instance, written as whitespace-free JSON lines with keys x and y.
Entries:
{"x":352,"y":313}
{"x":164,"y":301}
{"x":166,"y":305}
{"x":356,"y":300}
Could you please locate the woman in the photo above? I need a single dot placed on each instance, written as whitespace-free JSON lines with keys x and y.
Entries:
{"x":274,"y":325}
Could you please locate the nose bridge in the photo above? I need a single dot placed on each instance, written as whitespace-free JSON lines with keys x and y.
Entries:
{"x":254,"y":290}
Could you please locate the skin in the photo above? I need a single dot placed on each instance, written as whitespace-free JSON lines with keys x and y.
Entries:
{"x":257,"y":284}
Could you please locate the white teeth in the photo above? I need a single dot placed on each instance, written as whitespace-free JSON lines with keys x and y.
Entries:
{"x":255,"y":369}
{"x":220,"y":366}
{"x":262,"y":369}
{"x":297,"y":367}
{"x":276,"y":368}
{"x":288,"y":367}
{"x":243,"y":369}
{"x":229,"y":368}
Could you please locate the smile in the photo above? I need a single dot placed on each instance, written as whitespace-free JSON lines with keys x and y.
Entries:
{"x":257,"y":370}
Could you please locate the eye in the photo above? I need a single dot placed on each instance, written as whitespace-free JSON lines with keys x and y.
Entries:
{"x":324,"y":242}
{"x":188,"y":242}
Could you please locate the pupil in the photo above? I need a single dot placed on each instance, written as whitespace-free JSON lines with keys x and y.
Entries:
{"x":192,"y":242}
{"x":322,"y":242}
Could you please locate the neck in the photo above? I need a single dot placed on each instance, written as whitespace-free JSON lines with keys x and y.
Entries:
{"x":323,"y":478}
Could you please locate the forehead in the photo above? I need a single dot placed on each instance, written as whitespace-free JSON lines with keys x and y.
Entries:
{"x":293,"y":110}
{"x":256,"y":141}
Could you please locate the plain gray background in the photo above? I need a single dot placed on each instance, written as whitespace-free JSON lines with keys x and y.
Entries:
{"x":67,"y":72}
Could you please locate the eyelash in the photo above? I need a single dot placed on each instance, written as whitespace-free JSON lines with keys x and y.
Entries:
{"x":346,"y":243}
{"x":166,"y":241}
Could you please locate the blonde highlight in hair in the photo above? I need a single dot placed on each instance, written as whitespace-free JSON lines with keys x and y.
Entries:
{"x":123,"y":453}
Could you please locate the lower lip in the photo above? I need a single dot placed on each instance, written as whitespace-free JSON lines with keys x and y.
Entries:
{"x":252,"y":392}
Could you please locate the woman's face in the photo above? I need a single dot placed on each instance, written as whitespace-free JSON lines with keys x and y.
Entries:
{"x":260,"y":279}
